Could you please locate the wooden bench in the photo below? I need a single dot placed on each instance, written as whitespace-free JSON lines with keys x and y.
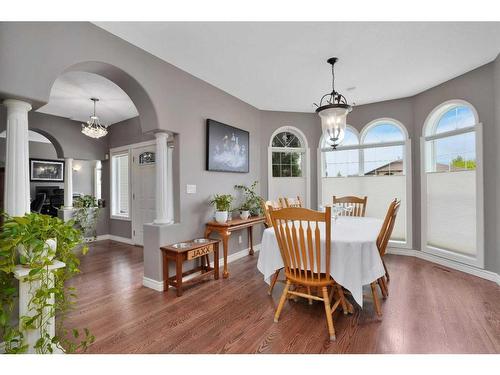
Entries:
{"x":189,"y":250}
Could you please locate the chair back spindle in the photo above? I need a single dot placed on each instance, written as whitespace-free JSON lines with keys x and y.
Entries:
{"x":291,"y":202}
{"x":357,"y":205}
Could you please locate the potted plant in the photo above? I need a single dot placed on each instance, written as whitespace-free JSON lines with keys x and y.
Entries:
{"x":252,"y":199}
{"x":86,"y":215}
{"x":222,"y":203}
{"x":245,"y":210}
{"x":36,"y":241}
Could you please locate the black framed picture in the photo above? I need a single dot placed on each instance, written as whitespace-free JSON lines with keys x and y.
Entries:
{"x":46,"y":170}
{"x":227,"y":148}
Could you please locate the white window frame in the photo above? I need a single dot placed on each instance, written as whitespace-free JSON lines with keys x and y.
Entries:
{"x":428,"y":135}
{"x":304,"y":149}
{"x":114,"y":187}
{"x":98,"y":180}
{"x":407,"y":168}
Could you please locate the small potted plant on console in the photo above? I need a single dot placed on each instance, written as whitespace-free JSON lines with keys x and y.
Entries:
{"x":222,"y":203}
{"x":245,"y":210}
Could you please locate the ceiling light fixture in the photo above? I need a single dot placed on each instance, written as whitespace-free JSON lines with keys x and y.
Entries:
{"x":333,"y":110}
{"x":93,"y":127}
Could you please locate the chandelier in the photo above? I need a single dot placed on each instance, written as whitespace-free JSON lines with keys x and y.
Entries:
{"x":333,"y":110}
{"x":93,"y":127}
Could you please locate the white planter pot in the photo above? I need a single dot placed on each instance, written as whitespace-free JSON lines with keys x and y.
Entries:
{"x":49,"y":251}
{"x":244,"y":214}
{"x":221,"y":216}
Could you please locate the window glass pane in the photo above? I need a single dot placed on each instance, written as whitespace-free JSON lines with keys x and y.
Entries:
{"x":287,"y":164}
{"x":456,"y":118}
{"x":286,"y":170}
{"x":383,"y":161}
{"x":286,"y":158}
{"x":340,"y":163}
{"x":350,"y":139}
{"x":286,"y":139}
{"x":453,"y":153}
{"x":384,"y":132}
{"x":120,"y":198}
{"x":276,"y":171}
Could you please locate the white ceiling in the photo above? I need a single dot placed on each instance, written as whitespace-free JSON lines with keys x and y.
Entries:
{"x":71,"y":93}
{"x":282,"y":66}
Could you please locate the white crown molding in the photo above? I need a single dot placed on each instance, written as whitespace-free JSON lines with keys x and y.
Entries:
{"x":484,"y":274}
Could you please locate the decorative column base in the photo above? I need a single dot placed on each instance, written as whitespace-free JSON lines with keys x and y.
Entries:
{"x":26,"y":290}
{"x":65,"y":214}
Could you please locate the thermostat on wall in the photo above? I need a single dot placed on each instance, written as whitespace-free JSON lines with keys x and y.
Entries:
{"x":190,"y":189}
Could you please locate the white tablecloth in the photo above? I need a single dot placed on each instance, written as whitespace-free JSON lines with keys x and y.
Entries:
{"x":355,"y":260}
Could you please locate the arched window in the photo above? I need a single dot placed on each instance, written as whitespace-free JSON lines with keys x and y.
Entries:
{"x":386,"y":157}
{"x":452,"y":207}
{"x":287,"y":155}
{"x":288,"y":165}
{"x":371,"y":164}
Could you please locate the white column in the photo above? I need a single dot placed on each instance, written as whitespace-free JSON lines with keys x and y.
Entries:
{"x":68,"y":183}
{"x":26,"y":290}
{"x":17,"y":183}
{"x":161,"y":179}
{"x":170,"y":185}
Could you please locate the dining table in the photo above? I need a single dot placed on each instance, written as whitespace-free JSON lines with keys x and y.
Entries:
{"x":354,"y":257}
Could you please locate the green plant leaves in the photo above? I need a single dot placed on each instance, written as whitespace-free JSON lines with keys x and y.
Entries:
{"x":49,"y":295}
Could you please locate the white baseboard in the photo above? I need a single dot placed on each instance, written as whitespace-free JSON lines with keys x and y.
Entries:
{"x":152,"y":284}
{"x":112,"y":237}
{"x":158,"y":285}
{"x":484,"y":274}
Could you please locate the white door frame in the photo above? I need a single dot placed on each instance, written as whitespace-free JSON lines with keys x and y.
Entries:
{"x":307,"y":164}
{"x":128,"y":149}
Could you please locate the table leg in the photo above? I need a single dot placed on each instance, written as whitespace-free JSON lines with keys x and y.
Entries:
{"x":165,"y":272}
{"x":178,"y":275}
{"x":250,"y":240}
{"x":216,"y":261}
{"x":225,"y":239}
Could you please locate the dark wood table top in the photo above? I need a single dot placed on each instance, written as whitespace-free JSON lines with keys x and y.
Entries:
{"x":238,"y":222}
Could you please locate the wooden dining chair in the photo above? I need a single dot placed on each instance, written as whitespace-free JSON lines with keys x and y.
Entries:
{"x":386,"y":231}
{"x":264,"y":205}
{"x":275,"y":205}
{"x":298,"y":234}
{"x":382,"y":241}
{"x":358,"y":205}
{"x":291,"y":202}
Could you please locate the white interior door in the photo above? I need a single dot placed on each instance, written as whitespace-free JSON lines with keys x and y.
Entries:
{"x":143,"y":190}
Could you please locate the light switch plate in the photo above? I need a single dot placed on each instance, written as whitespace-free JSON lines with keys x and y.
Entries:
{"x":190,"y":189}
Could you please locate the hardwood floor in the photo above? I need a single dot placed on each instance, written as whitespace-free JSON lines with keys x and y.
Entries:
{"x":430,"y":309}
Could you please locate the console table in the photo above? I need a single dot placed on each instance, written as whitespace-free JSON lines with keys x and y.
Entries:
{"x":225,"y":230}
